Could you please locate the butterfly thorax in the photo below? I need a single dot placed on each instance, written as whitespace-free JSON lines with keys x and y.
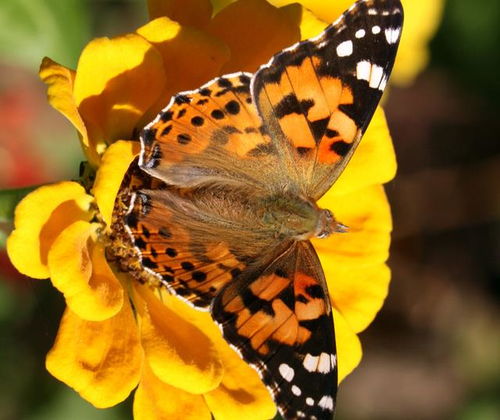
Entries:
{"x":293,"y":217}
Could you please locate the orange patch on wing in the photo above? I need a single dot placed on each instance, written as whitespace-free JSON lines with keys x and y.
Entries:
{"x":258,"y":327}
{"x":344,"y":125}
{"x":234,"y":305}
{"x":315,"y":307}
{"x":296,"y":128}
{"x":177,"y":140}
{"x":325,"y":154}
{"x":270,"y":286}
{"x":310,"y":310}
{"x":277,"y":91}
{"x":302,"y":281}
{"x":332,"y":88}
{"x":306,"y":86}
{"x":288,"y":330}
{"x":241,"y":143}
{"x":282,"y":327}
{"x":243,"y":316}
{"x":346,"y":97}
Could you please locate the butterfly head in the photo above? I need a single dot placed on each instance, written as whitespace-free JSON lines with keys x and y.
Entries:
{"x":327,"y":224}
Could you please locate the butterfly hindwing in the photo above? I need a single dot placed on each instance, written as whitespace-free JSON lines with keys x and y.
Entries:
{"x":192,"y":241}
{"x":318,"y":97}
{"x":278,"y":317}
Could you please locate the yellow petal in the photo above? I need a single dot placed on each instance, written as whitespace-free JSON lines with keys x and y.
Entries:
{"x":183,"y":71}
{"x":348,"y":346}
{"x":422,"y":19}
{"x":328,"y":11}
{"x":178,"y":352}
{"x":357,"y":293}
{"x":117,"y":80}
{"x":308,"y":23}
{"x":39,"y":219}
{"x":241,"y":393}
{"x":59,"y":81}
{"x":374,"y":161}
{"x":78,"y":268}
{"x":368,"y":216}
{"x":155,"y":399}
{"x":195,"y":13}
{"x":109,"y":176}
{"x":254,"y":31}
{"x":102,"y":361}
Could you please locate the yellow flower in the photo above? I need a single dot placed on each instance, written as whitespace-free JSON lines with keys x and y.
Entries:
{"x":116,"y":335}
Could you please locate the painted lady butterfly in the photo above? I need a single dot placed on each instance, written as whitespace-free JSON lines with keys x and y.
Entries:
{"x":222,"y":202}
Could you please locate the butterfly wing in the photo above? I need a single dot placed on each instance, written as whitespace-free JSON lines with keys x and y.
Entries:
{"x":318,"y":96}
{"x":192,"y":241}
{"x":212,"y":135}
{"x":278,"y":317}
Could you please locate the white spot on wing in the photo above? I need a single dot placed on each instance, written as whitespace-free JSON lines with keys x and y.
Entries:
{"x":324,"y":364}
{"x":372,"y":12}
{"x":363,"y":70}
{"x":296,"y":390}
{"x":360,"y":33}
{"x":287,"y":372}
{"x":392,"y":35}
{"x":376,"y":30}
{"x":333,"y":360}
{"x":309,"y":401}
{"x":310,"y":362}
{"x":383,"y":83}
{"x":326,"y":402}
{"x":344,"y":49}
{"x":376,"y":76}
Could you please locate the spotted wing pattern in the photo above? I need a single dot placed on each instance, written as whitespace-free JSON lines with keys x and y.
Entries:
{"x":210,"y":135}
{"x":278,"y":317}
{"x":319,"y":95}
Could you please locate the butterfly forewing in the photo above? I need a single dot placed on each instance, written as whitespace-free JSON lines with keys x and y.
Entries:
{"x":210,"y":135}
{"x":318,"y":96}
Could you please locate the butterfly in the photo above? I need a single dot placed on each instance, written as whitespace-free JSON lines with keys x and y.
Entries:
{"x":221,"y":204}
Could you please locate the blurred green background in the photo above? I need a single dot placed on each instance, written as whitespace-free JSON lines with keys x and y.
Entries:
{"x":434,"y":350}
